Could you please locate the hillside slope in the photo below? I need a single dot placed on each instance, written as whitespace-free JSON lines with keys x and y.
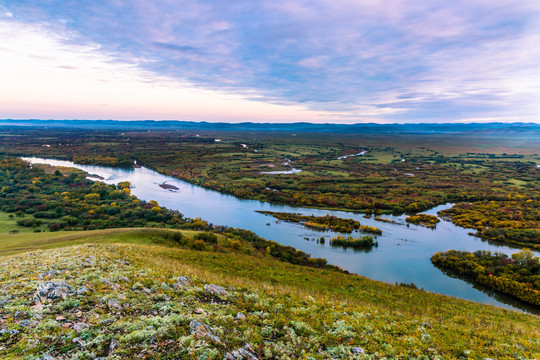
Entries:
{"x":118,"y":294}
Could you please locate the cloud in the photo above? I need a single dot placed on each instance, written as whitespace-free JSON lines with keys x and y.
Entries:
{"x":45,"y":77}
{"x":175,"y":47}
{"x":391,"y":60}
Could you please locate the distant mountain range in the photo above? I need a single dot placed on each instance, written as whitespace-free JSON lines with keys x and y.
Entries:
{"x":371,"y":128}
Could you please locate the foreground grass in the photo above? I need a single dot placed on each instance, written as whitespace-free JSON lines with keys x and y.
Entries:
{"x":291,"y":311}
{"x":11,"y":244}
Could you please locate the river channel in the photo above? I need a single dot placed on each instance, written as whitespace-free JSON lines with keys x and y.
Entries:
{"x":402,"y":256}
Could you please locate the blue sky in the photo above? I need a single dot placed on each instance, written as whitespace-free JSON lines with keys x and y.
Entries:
{"x":278,"y":61}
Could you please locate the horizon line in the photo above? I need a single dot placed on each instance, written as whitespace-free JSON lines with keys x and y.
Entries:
{"x":274,"y":123}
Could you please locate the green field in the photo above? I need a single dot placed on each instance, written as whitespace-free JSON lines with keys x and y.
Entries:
{"x":400,"y":173}
{"x":8,"y":224}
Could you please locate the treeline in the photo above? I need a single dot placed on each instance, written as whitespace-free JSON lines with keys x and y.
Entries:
{"x":103,"y":161}
{"x":75,"y":203}
{"x":327,"y":222}
{"x":514,"y":219}
{"x":282,"y":252}
{"x":429,"y":221}
{"x":518,"y":275}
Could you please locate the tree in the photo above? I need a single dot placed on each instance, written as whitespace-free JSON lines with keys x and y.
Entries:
{"x":524,"y":256}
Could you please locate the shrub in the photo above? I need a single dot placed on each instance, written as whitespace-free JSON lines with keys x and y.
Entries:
{"x":29,"y":222}
{"x":207,"y":237}
{"x":175,"y":236}
{"x":362,"y":242}
{"x":55,"y":226}
{"x":199,"y":245}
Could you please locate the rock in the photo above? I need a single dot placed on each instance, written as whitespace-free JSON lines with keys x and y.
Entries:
{"x":82,"y":291}
{"x":47,"y":275}
{"x":244,"y":353}
{"x":201,"y":330}
{"x":88,"y":262}
{"x":112,"y":303}
{"x":112,"y":346}
{"x":79,"y":342}
{"x":26,"y":323}
{"x":60,"y":318}
{"x":52,"y":290}
{"x":240,"y":317}
{"x":215,"y":290}
{"x":20,"y":314}
{"x":147,"y":291}
{"x":182,"y":281}
{"x":79,"y":326}
{"x":8,"y":331}
{"x":199,"y":311}
{"x":123,"y":279}
{"x":107,"y":321}
{"x":137,"y":286}
{"x":358,"y":350}
{"x":47,"y":357}
{"x":426,"y":325}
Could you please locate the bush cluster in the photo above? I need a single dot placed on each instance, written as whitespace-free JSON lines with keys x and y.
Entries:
{"x":518,"y":275}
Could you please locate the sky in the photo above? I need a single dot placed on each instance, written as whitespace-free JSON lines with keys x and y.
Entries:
{"x":321,"y":61}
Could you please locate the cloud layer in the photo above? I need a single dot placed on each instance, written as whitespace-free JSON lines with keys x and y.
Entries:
{"x":335,"y":61}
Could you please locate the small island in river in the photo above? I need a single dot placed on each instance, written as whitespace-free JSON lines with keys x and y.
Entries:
{"x":169,"y":187}
{"x":323,"y":223}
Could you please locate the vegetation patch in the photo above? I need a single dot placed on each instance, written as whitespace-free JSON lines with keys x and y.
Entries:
{"x":75,"y":203}
{"x":364,"y":242}
{"x":429,"y":221}
{"x":518,"y":275}
{"x":103,"y":160}
{"x":387,"y":220}
{"x":514,"y":219}
{"x":323,"y":223}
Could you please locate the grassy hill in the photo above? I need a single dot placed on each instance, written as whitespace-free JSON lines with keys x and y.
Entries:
{"x":122,"y":299}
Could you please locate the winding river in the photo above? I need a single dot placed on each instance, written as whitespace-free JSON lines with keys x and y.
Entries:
{"x":403,"y":254}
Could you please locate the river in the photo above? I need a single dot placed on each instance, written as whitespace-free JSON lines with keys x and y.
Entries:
{"x":402,"y":256}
